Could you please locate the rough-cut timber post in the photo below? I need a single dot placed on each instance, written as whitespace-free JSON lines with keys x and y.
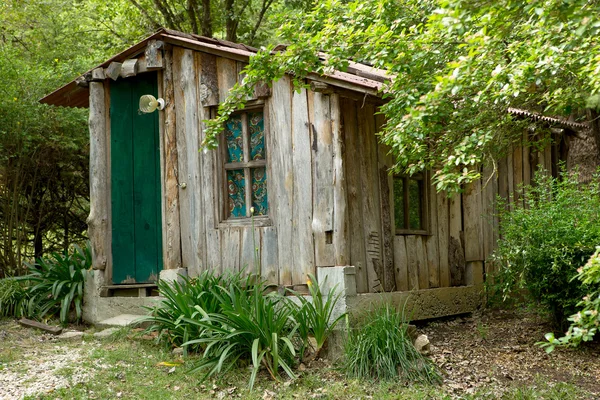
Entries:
{"x":98,"y":218}
{"x":172,"y":248}
{"x":340,"y":225}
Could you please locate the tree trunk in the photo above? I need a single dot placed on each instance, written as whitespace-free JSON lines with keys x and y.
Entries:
{"x":230,"y":21}
{"x":206,"y":19}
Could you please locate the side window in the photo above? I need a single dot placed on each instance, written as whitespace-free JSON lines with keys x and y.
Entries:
{"x":410,"y":204}
{"x":245,"y":164}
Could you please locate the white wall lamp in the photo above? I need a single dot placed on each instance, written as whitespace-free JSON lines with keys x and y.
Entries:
{"x":149,"y":104}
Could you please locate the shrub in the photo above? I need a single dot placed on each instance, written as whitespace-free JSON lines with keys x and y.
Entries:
{"x":314,"y":316}
{"x":181,"y":301}
{"x":13,"y":298}
{"x":543,"y":244}
{"x":251,"y":326}
{"x":55,"y":284}
{"x":382,"y":349}
{"x":586,"y":322}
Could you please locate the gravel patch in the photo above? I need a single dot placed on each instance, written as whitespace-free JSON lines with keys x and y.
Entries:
{"x":39,"y":364}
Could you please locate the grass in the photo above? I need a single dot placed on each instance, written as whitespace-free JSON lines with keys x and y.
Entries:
{"x":128,"y":367}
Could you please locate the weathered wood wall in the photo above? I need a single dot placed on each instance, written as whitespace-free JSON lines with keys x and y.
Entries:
{"x":462,"y":229}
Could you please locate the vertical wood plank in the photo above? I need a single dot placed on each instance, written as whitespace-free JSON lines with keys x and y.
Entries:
{"x":400,"y":263}
{"x":210,"y":244}
{"x":456,"y":255}
{"x":488,"y":209}
{"x":250,"y":250}
{"x":269,"y":255}
{"x":412,"y":262}
{"x":511,"y":179}
{"x":172,"y":233}
{"x":230,"y":249}
{"x":518,"y":174}
{"x":226,"y":76}
{"x":503,"y":178}
{"x":340,"y":198}
{"x":355,"y":193}
{"x":187,"y":129}
{"x":432,"y":241}
{"x":473,"y":234}
{"x":526,"y":165}
{"x":422,"y":265}
{"x":303,"y":251}
{"x":322,"y":152}
{"x":442,"y":235}
{"x":371,"y":201}
{"x":282,"y":182}
{"x":548,"y":158}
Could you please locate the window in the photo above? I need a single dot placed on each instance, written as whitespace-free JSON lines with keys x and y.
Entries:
{"x":245,"y":165}
{"x":410,"y":204}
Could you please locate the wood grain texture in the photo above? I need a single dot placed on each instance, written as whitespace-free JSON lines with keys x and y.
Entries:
{"x":400,"y":263}
{"x":227,"y":76}
{"x":231,"y":243}
{"x":511,"y":179}
{"x":422,"y":264}
{"x":340,"y":198}
{"x":355,"y":193}
{"x":456,"y":254}
{"x":472,"y":219}
{"x":172,"y":232}
{"x":412,"y":257}
{"x":303,"y":251}
{"x":209,"y":82}
{"x":153,"y":54}
{"x":282,"y":178}
{"x":98,"y":219}
{"x":431,"y":241}
{"x":269,"y":256}
{"x":518,"y":174}
{"x":371,"y":201}
{"x":442,"y":235}
{"x":322,"y":154}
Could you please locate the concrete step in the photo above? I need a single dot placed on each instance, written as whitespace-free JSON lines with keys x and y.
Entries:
{"x":120,"y":321}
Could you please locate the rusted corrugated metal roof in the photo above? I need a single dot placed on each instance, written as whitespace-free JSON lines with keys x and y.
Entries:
{"x":555,"y":121}
{"x":359,"y":77}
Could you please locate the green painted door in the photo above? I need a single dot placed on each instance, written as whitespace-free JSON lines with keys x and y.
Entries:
{"x":135,"y":183}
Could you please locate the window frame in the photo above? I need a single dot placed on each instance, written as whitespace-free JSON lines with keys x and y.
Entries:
{"x":424,"y":199}
{"x":226,"y":220}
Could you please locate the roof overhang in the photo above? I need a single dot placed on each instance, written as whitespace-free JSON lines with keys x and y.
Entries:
{"x":359,"y":77}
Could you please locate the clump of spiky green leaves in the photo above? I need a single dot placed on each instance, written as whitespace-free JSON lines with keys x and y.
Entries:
{"x":182,"y":300}
{"x":54,"y":285}
{"x":13,"y":298}
{"x":381,"y":349}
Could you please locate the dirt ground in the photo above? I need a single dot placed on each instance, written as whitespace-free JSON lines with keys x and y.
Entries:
{"x":496,"y":350}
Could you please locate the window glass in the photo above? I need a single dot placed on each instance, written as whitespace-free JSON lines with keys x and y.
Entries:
{"x":399,"y":202}
{"x":245,"y":165}
{"x":236,"y":189}
{"x":414,"y":204}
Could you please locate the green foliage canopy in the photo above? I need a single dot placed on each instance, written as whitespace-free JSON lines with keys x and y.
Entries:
{"x":457,"y":66}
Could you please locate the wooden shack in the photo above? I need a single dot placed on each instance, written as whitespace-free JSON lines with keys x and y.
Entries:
{"x":299,"y":185}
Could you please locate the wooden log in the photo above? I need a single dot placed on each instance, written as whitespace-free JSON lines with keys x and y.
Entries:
{"x":190,"y":207}
{"x":340,"y":198}
{"x":172,"y":233}
{"x":432,"y":242}
{"x":412,"y":262}
{"x":55,"y":330}
{"x":153,"y":54}
{"x":98,"y":75}
{"x":355,"y":193}
{"x":280,"y":143}
{"x":320,"y":87}
{"x":113,"y":71}
{"x":98,"y":219}
{"x":129,"y":68}
{"x":400,"y":263}
{"x":81,"y":81}
{"x":303,"y":249}
{"x":209,"y":83}
{"x":442,"y":236}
